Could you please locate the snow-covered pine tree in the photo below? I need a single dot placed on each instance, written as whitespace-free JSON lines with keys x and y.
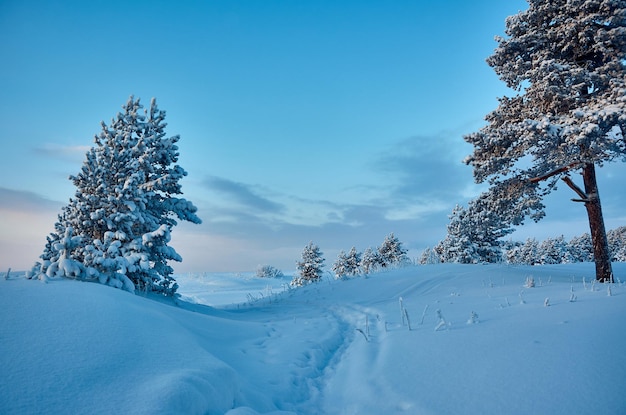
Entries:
{"x":565,"y":59}
{"x":353,"y":262}
{"x":580,"y":248}
{"x":391,"y":252}
{"x":511,"y":251}
{"x":369,"y":261}
{"x":473,"y":234}
{"x":617,"y":243}
{"x":125,"y":205}
{"x":529,"y":252}
{"x":457,"y":246}
{"x":311,"y":266}
{"x":340,"y":265}
{"x":429,"y":256}
{"x":347,"y":265}
{"x":554,"y":251}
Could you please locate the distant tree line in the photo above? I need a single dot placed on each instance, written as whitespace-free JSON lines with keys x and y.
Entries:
{"x":390,"y":253}
{"x":460,"y":248}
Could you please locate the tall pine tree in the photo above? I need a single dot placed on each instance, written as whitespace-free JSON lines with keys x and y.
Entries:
{"x":566,"y":60}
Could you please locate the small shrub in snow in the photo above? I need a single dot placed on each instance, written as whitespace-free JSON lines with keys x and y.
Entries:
{"x":530,"y":282}
{"x":268,"y":271}
{"x":473,"y":318}
{"x":546,"y":302}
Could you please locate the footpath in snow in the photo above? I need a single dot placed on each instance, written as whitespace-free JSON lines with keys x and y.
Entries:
{"x":434,"y":339}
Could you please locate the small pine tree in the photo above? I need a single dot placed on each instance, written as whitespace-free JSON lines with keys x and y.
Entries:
{"x":369,"y":261}
{"x":311,"y":266}
{"x":554,"y":251}
{"x":340,"y":265}
{"x":528,"y":252}
{"x":617,"y":243}
{"x":429,"y":256}
{"x":347,"y":265}
{"x":391,"y":252}
{"x":580,"y":248}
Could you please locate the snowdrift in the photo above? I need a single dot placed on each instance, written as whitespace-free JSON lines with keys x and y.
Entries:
{"x":434,"y":339}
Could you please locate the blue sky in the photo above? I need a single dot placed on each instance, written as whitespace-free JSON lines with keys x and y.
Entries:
{"x":336,"y":122}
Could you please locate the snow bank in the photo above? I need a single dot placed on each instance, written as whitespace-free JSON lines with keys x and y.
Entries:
{"x":335,"y":347}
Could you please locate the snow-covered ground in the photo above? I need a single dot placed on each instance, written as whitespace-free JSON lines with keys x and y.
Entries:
{"x":241,"y":345}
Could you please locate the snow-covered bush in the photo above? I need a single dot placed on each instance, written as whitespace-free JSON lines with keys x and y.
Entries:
{"x":124,"y":208}
{"x":268,"y":271}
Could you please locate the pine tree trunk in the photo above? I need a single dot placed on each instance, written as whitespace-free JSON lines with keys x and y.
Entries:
{"x":604,"y":271}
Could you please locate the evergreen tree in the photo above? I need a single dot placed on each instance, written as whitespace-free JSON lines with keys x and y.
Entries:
{"x":429,"y":256}
{"x":391,"y":252}
{"x":125,"y":206}
{"x":528,"y":252}
{"x":353,"y":262}
{"x":347,"y":265}
{"x":580,"y":248}
{"x":311,"y":266}
{"x":457,"y":246}
{"x":340,"y":265}
{"x":554,"y":251}
{"x":369,"y":261}
{"x":512,"y":252}
{"x":617,"y":243}
{"x":566,"y":60}
{"x":474,"y":234}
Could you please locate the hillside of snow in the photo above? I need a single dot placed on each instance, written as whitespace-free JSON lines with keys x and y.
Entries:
{"x":433,"y":339}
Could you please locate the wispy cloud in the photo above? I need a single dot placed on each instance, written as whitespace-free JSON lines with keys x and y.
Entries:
{"x":20,"y":200}
{"x":62,"y":152}
{"x":243,"y":194}
{"x":426,"y":175}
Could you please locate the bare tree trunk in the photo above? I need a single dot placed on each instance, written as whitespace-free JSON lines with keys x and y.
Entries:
{"x":604,"y":271}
